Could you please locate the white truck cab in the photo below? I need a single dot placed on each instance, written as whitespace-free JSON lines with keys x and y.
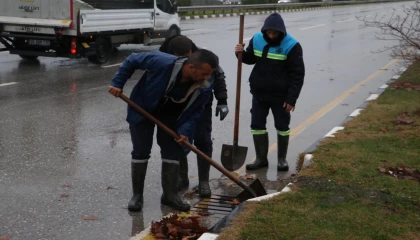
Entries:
{"x":88,"y":28}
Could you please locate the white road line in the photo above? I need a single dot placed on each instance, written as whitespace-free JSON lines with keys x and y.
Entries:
{"x":384,"y":86}
{"x":334,"y":130}
{"x":113,"y":65}
{"x":372,"y":97}
{"x":7,"y":84}
{"x":247,"y":39}
{"x":320,"y":25}
{"x":347,"y":20}
{"x":356,"y":112}
{"x":395,"y":77}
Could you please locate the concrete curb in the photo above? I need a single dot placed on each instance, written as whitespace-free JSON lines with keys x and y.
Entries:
{"x":250,"y":13}
{"x":309,"y":157}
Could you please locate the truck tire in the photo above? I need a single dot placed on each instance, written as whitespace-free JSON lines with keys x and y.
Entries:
{"x":103,"y":51}
{"x":27,"y":57}
{"x":173,"y":31}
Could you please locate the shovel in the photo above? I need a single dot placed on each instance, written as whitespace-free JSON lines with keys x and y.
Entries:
{"x":256,"y":188}
{"x":233,"y":156}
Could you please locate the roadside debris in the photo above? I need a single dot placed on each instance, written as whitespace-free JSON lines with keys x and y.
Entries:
{"x":403,"y":122}
{"x":249,"y":176}
{"x":401,"y":172}
{"x":178,"y":227}
{"x":403,"y":119}
{"x":234,"y":202}
{"x":90,"y":218}
{"x":405,"y":86}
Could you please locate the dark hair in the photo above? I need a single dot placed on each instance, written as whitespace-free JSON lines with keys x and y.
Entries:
{"x":180,"y":45}
{"x":203,"y":56}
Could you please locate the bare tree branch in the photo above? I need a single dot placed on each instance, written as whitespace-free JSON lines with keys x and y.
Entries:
{"x":401,"y":27}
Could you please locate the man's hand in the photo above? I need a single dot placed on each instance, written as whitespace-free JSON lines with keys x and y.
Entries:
{"x":116,"y":92}
{"x":181,"y":139}
{"x":289,"y":107}
{"x":223,"y":110}
{"x":239,"y":48}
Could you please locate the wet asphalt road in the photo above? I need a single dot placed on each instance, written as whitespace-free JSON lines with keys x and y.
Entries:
{"x":65,"y":146}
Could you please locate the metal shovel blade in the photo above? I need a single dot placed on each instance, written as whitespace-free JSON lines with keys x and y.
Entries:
{"x":233,"y":157}
{"x":256,"y":187}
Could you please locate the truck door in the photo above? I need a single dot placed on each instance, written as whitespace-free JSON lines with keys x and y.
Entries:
{"x":162,"y":14}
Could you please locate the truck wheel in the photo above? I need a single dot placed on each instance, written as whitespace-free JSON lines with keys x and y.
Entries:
{"x":173,"y":31}
{"x":103,"y":51}
{"x":27,"y":57}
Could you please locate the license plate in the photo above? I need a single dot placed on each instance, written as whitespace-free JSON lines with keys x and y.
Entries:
{"x":39,"y":42}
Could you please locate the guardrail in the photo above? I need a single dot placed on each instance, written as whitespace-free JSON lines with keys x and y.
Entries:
{"x":244,"y":8}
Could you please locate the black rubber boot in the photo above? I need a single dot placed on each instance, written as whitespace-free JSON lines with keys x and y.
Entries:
{"x":183,"y":180}
{"x":170,"y":195}
{"x":282,"y":145}
{"x":138,"y":174}
{"x":203,"y":177}
{"x":261,"y":150}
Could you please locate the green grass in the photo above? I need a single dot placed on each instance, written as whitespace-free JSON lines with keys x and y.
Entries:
{"x":342,"y":195}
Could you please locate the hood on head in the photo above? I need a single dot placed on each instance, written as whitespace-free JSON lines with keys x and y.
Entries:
{"x":165,"y":45}
{"x":274,"y":22}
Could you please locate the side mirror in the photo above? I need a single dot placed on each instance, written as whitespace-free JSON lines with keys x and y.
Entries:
{"x":175,"y":7}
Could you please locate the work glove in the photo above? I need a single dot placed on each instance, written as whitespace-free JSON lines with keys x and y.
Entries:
{"x":223,"y":110}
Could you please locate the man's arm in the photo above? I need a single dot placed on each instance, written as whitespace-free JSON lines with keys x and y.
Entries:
{"x":133,"y":62}
{"x":220,"y":93}
{"x":295,"y":73}
{"x":248,"y":56}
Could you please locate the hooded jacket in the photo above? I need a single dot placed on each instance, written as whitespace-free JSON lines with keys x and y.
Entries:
{"x":279,"y":69}
{"x":220,"y":90}
{"x":160,"y":74}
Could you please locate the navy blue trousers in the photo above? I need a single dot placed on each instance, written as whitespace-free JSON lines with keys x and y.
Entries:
{"x":259,"y":112}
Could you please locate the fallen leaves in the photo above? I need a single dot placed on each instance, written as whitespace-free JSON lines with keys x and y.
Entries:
{"x":401,"y":172}
{"x":403,"y":122}
{"x":204,"y":213}
{"x":67,"y":186}
{"x":403,"y":119}
{"x":90,"y":218}
{"x":249,"y":176}
{"x":189,"y":194}
{"x":64,"y":195}
{"x":5,"y":238}
{"x":405,"y":86}
{"x":384,"y":129}
{"x":111,"y":188}
{"x":234,"y":202}
{"x":186,"y":227}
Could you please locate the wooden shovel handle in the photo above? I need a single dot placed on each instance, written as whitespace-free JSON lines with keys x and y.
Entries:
{"x":238,"y":83}
{"x":187,"y":144}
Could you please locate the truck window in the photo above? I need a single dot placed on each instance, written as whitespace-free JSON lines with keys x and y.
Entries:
{"x":164,"y":5}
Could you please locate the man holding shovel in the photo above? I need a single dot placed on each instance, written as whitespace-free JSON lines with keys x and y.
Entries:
{"x":275,"y":81}
{"x":179,"y":45}
{"x":175,"y":90}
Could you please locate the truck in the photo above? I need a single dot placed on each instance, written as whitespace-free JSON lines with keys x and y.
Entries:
{"x":88,"y":28}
